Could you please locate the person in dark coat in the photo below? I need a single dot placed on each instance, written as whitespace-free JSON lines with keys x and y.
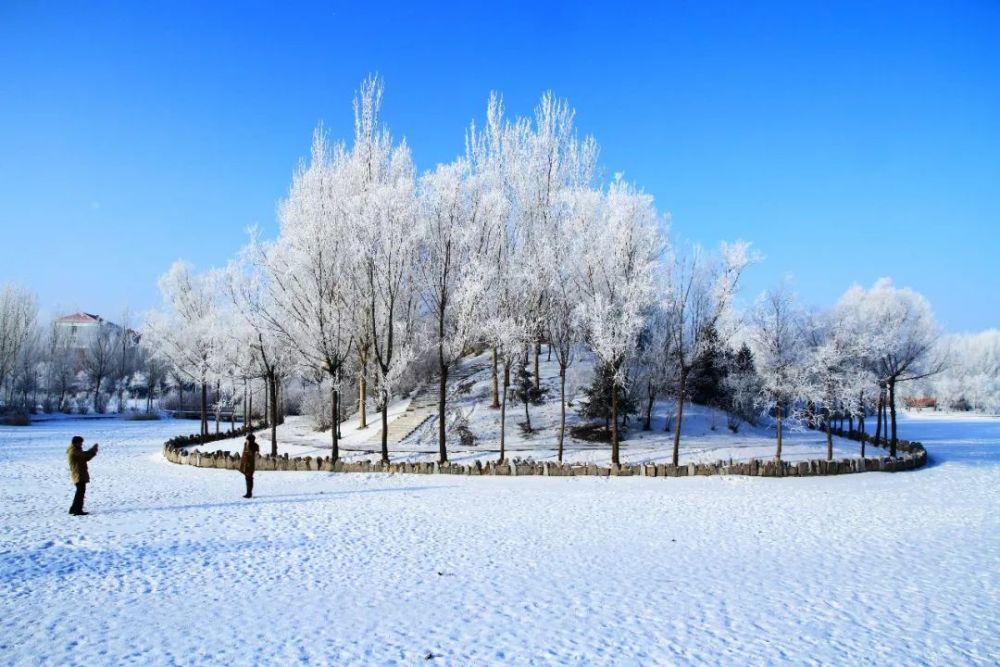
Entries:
{"x":78,"y":457}
{"x":248,"y":462}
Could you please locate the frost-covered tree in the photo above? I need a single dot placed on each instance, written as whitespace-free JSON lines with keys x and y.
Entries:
{"x":257,"y":347}
{"x":548,"y":163}
{"x":971,"y":378}
{"x":453,"y":216}
{"x":617,"y":281}
{"x":701,"y":291}
{"x":382,"y":224}
{"x":903,"y":335}
{"x":564,"y":326}
{"x":778,"y":349}
{"x":306,"y":284}
{"x":506,"y":309}
{"x":18,"y":318}
{"x":99,"y":360}
{"x":60,"y":366}
{"x":183,"y":333}
{"x":832,"y":359}
{"x":126,"y":343}
{"x":653,"y":366}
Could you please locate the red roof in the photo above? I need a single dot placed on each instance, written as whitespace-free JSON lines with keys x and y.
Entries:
{"x":86,"y":318}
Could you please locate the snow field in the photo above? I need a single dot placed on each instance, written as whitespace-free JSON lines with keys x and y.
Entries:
{"x":173,"y":567}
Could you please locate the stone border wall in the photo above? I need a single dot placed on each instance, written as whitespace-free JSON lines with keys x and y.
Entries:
{"x":194,"y":439}
{"x":913,"y":456}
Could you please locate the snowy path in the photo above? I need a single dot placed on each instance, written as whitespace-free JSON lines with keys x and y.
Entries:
{"x":174,"y":567}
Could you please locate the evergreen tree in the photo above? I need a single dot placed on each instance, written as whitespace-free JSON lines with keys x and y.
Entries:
{"x":597,"y":404}
{"x":706,"y":381}
{"x":525,"y":391}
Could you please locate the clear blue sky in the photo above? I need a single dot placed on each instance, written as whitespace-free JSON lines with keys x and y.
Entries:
{"x":847,"y":140}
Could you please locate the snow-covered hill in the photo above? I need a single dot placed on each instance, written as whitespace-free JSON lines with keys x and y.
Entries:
{"x":705,"y":435}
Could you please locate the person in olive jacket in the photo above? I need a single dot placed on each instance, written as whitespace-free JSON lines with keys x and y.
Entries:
{"x":78,"y":457}
{"x":248,"y":462}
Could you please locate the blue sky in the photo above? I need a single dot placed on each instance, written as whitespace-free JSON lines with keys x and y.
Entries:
{"x":847,"y":140}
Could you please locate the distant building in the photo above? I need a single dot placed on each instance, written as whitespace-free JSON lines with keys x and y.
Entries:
{"x":921,"y":402}
{"x":83,"y":328}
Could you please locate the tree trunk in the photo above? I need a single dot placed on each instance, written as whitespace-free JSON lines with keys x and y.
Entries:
{"x":614,"y":424}
{"x":279,"y":398}
{"x":503,"y":410}
{"x":885,"y":417}
{"x":273,"y":381}
{"x":496,"y":391}
{"x":527,"y":417}
{"x":647,"y":425}
{"x":267,"y":404}
{"x":861,"y":429}
{"x":892,"y":415}
{"x":562,"y":407}
{"x":385,"y":426}
{"x":335,"y":446}
{"x":829,"y":439}
{"x":778,"y":411}
{"x":362,"y":394}
{"x":681,"y":390}
{"x":878,"y":418}
{"x":442,"y":398}
{"x":538,"y":377}
{"x":204,"y":411}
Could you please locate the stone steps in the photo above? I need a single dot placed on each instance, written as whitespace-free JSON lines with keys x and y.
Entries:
{"x":422,"y":407}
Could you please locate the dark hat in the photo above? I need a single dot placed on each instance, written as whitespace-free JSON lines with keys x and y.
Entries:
{"x":251,"y":437}
{"x":77,"y":439}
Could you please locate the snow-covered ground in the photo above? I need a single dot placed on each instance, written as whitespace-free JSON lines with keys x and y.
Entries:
{"x":173,"y":567}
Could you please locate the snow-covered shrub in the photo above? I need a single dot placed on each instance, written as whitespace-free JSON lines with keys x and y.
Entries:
{"x":461,"y":428}
{"x":315,"y":402}
{"x":423,"y":369}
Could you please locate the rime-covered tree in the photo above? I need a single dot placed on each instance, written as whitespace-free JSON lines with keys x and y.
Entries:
{"x":382,"y":224}
{"x":18,"y":318}
{"x":453,"y":216}
{"x":183,"y":333}
{"x":307,"y":292}
{"x":833,"y":351}
{"x":902,"y":337}
{"x":617,"y":280}
{"x":701,"y":290}
{"x":778,"y":350}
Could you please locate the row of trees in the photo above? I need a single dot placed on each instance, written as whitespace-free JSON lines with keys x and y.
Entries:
{"x":970,"y":379}
{"x":50,"y":367}
{"x":847,"y":361}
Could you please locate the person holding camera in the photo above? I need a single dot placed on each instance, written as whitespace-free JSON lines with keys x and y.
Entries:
{"x":78,"y":457}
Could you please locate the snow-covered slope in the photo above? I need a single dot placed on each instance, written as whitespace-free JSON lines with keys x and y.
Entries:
{"x":705,"y":435}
